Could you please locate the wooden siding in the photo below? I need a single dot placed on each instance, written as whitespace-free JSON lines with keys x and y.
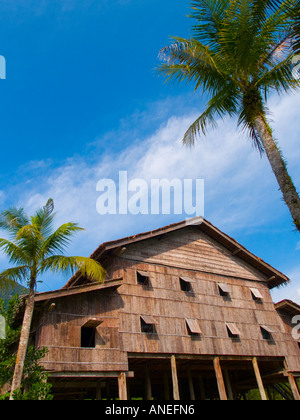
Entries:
{"x":166,"y":259}
{"x":170,"y":307}
{"x":60,"y":331}
{"x":191,"y":250}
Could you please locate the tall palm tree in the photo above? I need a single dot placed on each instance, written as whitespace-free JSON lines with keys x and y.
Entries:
{"x":241,"y":51}
{"x":35,"y":247}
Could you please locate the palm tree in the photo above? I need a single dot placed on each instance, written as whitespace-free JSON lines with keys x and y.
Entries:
{"x":241,"y":51}
{"x":35,"y":247}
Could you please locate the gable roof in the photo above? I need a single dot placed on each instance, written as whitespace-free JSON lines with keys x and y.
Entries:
{"x":288,"y":306}
{"x":274,"y":277}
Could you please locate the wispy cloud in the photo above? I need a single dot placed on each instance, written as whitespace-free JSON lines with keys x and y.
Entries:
{"x":240,"y":187}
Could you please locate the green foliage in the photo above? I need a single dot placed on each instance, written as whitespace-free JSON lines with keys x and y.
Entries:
{"x":34,"y":378}
{"x":241,"y":50}
{"x":35,"y":247}
{"x":8,"y":292}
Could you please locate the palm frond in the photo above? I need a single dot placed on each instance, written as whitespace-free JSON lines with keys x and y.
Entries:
{"x":195,"y":63}
{"x":14,"y":252}
{"x":210,"y":16}
{"x":13,"y":220}
{"x":43,"y":219}
{"x":14,"y":275}
{"x":60,"y":239}
{"x":224,"y":102}
{"x":70,"y":265}
{"x":280,"y":77}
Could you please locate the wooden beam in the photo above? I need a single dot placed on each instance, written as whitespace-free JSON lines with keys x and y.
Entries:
{"x":98,"y":391}
{"x":259,"y":379}
{"x":191,"y":386}
{"x":228,"y":385}
{"x":122,"y":386}
{"x":77,"y":375}
{"x":220,"y":380}
{"x":202,"y":388}
{"x":293,"y":383}
{"x":176,"y":395}
{"x":148,"y":388}
{"x":166,"y":387}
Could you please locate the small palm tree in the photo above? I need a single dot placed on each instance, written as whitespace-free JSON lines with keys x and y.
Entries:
{"x":35,"y":247}
{"x":241,"y":51}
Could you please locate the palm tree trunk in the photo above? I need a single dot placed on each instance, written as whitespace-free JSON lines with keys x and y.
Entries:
{"x":288,"y":189}
{"x":23,"y":344}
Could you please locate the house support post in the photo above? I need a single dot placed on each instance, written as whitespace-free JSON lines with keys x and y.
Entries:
{"x":148,"y":388}
{"x":122,"y":387}
{"x":228,"y":385}
{"x":166,"y":387}
{"x":259,"y":379}
{"x":176,"y":395}
{"x":191,"y":386}
{"x":292,"y":383}
{"x":220,"y":380}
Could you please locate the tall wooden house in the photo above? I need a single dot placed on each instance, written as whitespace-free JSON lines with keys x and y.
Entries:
{"x":185,"y":313}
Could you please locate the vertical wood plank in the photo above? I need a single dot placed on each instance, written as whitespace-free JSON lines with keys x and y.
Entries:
{"x":191,"y":386}
{"x":166,"y":387}
{"x":228,"y":385}
{"x":220,"y":380}
{"x":202,"y":389}
{"x":176,"y":395}
{"x":98,"y":391}
{"x":148,"y":388}
{"x":122,"y":387}
{"x":259,"y":380}
{"x":293,"y":383}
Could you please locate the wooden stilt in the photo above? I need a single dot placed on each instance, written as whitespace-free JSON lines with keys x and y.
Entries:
{"x":122,"y":387}
{"x":98,"y":391}
{"x":220,"y":380}
{"x":148,"y":385}
{"x":166,"y":387}
{"x":202,"y":389}
{"x":259,"y":380}
{"x":293,"y":383}
{"x":228,"y":385}
{"x":176,"y":395}
{"x":191,"y":386}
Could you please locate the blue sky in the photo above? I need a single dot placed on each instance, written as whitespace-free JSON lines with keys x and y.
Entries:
{"x":82,"y":101}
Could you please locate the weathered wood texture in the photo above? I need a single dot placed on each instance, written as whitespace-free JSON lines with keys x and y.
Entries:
{"x":187,"y":253}
{"x":60,"y":331}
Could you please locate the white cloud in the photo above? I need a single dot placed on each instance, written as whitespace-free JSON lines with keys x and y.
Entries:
{"x":236,"y":179}
{"x":292,"y":290}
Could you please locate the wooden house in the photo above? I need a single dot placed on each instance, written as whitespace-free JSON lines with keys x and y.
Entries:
{"x":185,"y":313}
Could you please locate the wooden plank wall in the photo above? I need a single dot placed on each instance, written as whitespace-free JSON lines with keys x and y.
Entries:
{"x":185,"y":253}
{"x":170,"y":307}
{"x":60,"y":331}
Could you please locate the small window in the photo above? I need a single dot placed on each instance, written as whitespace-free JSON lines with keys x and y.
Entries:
{"x":266,"y":333}
{"x":186,"y":284}
{"x":232,"y":330}
{"x":88,"y":335}
{"x":224,"y":290}
{"x":143,"y":278}
{"x":256,"y":295}
{"x":148,"y":324}
{"x":193,"y":327}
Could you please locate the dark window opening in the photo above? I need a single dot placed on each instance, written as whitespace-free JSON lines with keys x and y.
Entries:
{"x":143,"y":279}
{"x":256,"y":295}
{"x":147,"y":328}
{"x":266,"y":334}
{"x":88,"y":336}
{"x":224,"y":291}
{"x":185,"y":286}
